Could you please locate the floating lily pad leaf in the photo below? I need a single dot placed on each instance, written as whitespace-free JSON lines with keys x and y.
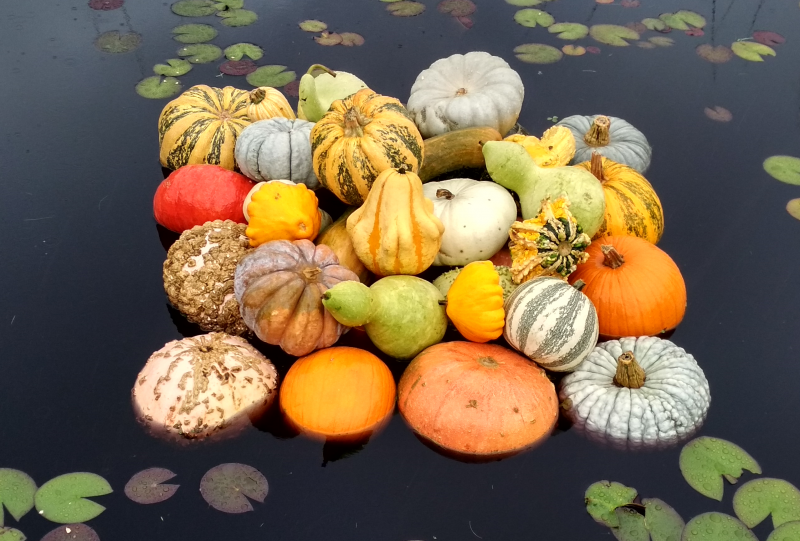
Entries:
{"x":194,"y":33}
{"x":716,"y":527}
{"x":603,"y":497}
{"x":224,"y":487}
{"x":240,"y":50}
{"x":695,"y":32}
{"x":533,"y":17}
{"x":525,"y":3}
{"x":630,"y":3}
{"x":466,"y":22}
{"x":719,"y":114}
{"x":645,"y":45}
{"x":591,"y":49}
{"x":662,"y":41}
{"x":662,"y":521}
{"x":145,"y":487}
{"x":312,"y":25}
{"x":611,"y":34}
{"x":789,"y":531}
{"x":704,"y":461}
{"x":16,"y":493}
{"x":328,"y":39}
{"x":389,"y":1}
{"x":639,"y":28}
{"x":72,"y":532}
{"x":116,"y":42}
{"x":604,"y":1}
{"x":61,"y":499}
{"x":351,"y":39}
{"x":229,"y":4}
{"x":292,"y":89}
{"x":405,"y":8}
{"x":716,"y":55}
{"x":752,"y":51}
{"x":200,"y":53}
{"x":194,"y":8}
{"x":11,"y":534}
{"x":757,"y":499}
{"x":793,"y":208}
{"x":631,"y":525}
{"x":238,"y":17}
{"x":175,"y":67}
{"x":683,"y":20}
{"x":569,"y":31}
{"x":457,"y":8}
{"x":156,"y":88}
{"x":768,"y":38}
{"x":106,"y":5}
{"x":783,"y":168}
{"x":655,"y":24}
{"x":573,"y":50}
{"x":274,"y":76}
{"x":238,"y":67}
{"x":538,"y":53}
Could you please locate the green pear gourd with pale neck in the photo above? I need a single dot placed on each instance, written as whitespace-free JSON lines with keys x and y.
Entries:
{"x":320,"y":87}
{"x":401,"y":314}
{"x":510,"y":165}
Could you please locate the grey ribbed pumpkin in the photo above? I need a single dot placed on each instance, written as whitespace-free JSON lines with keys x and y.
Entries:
{"x":552,"y":323}
{"x":277,"y":148}
{"x":611,"y":137}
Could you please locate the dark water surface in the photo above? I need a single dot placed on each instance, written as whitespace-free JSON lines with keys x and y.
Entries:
{"x":82,"y":304}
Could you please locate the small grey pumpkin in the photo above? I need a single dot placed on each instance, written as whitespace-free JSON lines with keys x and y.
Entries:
{"x":611,"y":137}
{"x":277,"y":148}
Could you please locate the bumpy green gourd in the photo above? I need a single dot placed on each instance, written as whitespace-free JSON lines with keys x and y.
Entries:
{"x":319,"y":90}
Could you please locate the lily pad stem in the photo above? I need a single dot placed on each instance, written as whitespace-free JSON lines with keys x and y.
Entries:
{"x":320,"y":67}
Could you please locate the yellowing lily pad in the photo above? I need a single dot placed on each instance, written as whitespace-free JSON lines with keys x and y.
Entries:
{"x":229,"y":4}
{"x":538,"y":53}
{"x":351,"y":39}
{"x":328,"y":39}
{"x":569,"y":31}
{"x":194,"y":8}
{"x":226,"y":487}
{"x":62,"y":499}
{"x":146,"y":487}
{"x":793,"y":208}
{"x":313,"y":25}
{"x":156,"y":88}
{"x":716,"y":527}
{"x":716,"y":55}
{"x":718,"y":114}
{"x":533,"y":17}
{"x":240,"y":50}
{"x":274,"y":76}
{"x":757,"y":499}
{"x":238,"y":17}
{"x":661,"y":520}
{"x":783,"y":168}
{"x":200,"y":53}
{"x":573,"y":50}
{"x":789,"y":531}
{"x":751,"y":50}
{"x":645,"y":45}
{"x":11,"y":534}
{"x":194,"y":33}
{"x":175,"y":67}
{"x":654,"y":24}
{"x":603,"y":497}
{"x":16,"y":493}
{"x":705,"y":461}
{"x":683,"y":20}
{"x":405,"y":8}
{"x":116,"y":42}
{"x":457,"y":8}
{"x":612,"y":34}
{"x":662,"y":41}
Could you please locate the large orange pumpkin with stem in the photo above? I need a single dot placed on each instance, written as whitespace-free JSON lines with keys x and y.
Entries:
{"x":339,"y":393}
{"x":635,"y":286}
{"x":477,"y":401}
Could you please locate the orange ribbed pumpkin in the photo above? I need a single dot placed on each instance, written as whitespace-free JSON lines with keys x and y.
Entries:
{"x":635,"y":286}
{"x":477,"y":400}
{"x":338,"y":393}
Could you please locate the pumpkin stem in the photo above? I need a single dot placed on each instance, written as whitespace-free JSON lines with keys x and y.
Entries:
{"x":447,"y":194}
{"x":598,"y":135}
{"x":629,"y":373}
{"x":443,"y":302}
{"x":613,"y":258}
{"x":311,"y":273}
{"x":320,"y":67}
{"x":353,"y":123}
{"x":488,"y":362}
{"x":258,"y":95}
{"x":579,"y":285}
{"x":597,"y":166}
{"x":461,"y":91}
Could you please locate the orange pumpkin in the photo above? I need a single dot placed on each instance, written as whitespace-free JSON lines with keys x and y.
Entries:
{"x":477,"y":401}
{"x":338,"y":393}
{"x":635,"y":286}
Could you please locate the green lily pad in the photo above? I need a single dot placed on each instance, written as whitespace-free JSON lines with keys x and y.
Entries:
{"x":612,"y":34}
{"x":405,"y":8}
{"x":312,"y":25}
{"x":229,"y":4}
{"x":662,"y":41}
{"x":175,"y":67}
{"x":116,"y":42}
{"x":61,"y":499}
{"x":16,"y":493}
{"x":11,"y":534}
{"x":751,"y":50}
{"x":704,"y":461}
{"x":654,"y":24}
{"x":533,"y":17}
{"x":683,"y":20}
{"x":194,"y":33}
{"x":631,"y":525}
{"x":646,"y":45}
{"x":194,"y":8}
{"x":240,"y":50}
{"x":662,"y":521}
{"x":757,"y":499}
{"x":274,"y":76}
{"x":716,"y":527}
{"x":603,"y":497}
{"x":538,"y":53}
{"x":156,"y":88}
{"x":716,"y":55}
{"x":788,"y":532}
{"x":351,"y":39}
{"x":783,"y":168}
{"x":525,"y":3}
{"x":200,"y":53}
{"x":793,"y":208}
{"x":569,"y":30}
{"x":238,"y":17}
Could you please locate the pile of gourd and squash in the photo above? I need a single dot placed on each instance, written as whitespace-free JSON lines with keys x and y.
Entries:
{"x":531,"y":261}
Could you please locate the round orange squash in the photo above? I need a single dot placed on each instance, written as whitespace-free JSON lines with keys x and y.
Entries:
{"x":477,"y":401}
{"x":338,"y":393}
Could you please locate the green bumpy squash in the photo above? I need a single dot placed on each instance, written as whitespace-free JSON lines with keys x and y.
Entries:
{"x":319,"y":90}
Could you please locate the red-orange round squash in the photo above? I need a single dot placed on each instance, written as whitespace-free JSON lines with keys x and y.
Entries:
{"x":338,"y":393}
{"x":477,"y":400}
{"x":635,"y":286}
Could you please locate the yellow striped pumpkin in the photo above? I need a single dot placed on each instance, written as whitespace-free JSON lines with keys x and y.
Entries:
{"x":632,"y":206}
{"x":267,"y":102}
{"x":360,"y":137}
{"x":201,"y":126}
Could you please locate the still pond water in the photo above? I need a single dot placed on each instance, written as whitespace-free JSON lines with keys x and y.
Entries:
{"x":82,"y":304}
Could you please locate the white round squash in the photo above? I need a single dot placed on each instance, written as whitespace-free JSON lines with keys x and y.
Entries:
{"x":466,"y":90}
{"x":552,"y":323}
{"x":476,"y":216}
{"x":277,"y":148}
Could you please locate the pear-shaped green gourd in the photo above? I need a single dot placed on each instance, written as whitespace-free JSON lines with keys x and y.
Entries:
{"x":510,"y":165}
{"x":320,"y":87}
{"x":401,"y":314}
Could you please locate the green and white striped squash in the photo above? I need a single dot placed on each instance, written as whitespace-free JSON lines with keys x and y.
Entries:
{"x":611,"y":137}
{"x":552,"y":323}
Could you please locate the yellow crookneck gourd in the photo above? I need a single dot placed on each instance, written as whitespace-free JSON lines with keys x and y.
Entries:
{"x":475,"y":302}
{"x":395,"y":230}
{"x":281,"y":210}
{"x":555,"y":149}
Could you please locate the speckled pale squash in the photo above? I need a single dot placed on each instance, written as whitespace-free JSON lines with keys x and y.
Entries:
{"x":611,"y":137}
{"x":637,"y":392}
{"x":358,"y":138}
{"x":201,"y":126}
{"x":277,"y":148}
{"x":267,"y":102}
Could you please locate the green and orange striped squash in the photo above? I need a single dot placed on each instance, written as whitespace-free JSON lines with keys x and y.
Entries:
{"x":201,"y":126}
{"x":395,"y":231}
{"x":360,"y":137}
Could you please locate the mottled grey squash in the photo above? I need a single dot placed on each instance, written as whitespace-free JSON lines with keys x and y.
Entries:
{"x":611,"y":137}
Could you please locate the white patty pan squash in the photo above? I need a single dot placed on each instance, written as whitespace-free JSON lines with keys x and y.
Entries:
{"x":466,"y":90}
{"x":476,"y":216}
{"x":610,"y":137}
{"x":637,"y":393}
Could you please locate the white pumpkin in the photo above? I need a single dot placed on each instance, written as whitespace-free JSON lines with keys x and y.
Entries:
{"x":476,"y":216}
{"x":466,"y":90}
{"x":637,"y":392}
{"x":611,"y":137}
{"x":277,"y":148}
